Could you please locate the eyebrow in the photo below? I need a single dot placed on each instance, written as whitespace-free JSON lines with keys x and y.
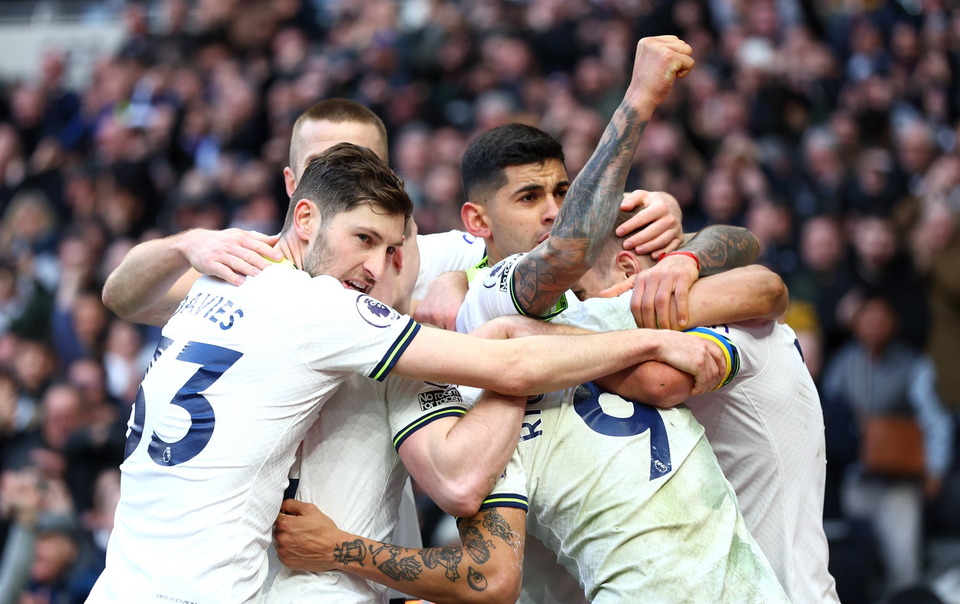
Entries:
{"x":373,"y":233}
{"x":538,"y":187}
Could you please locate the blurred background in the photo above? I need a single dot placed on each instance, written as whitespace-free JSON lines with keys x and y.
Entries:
{"x":829,"y":128}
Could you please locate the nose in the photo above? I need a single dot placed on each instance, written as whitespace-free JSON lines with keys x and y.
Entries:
{"x":551,"y":210}
{"x":376,"y":265}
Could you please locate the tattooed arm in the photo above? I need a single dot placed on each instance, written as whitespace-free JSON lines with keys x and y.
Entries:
{"x":591,"y":205}
{"x":717,"y":249}
{"x":721,"y":247}
{"x":486,"y":567}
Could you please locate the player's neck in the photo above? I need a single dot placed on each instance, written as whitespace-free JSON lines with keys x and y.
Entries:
{"x":291,"y":250}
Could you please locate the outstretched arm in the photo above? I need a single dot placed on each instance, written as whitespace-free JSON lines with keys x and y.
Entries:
{"x":485,"y":568}
{"x":547,"y":363}
{"x":593,"y":201}
{"x":156,"y":275}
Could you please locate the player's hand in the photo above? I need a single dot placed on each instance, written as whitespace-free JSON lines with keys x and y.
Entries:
{"x":620,"y":288}
{"x":700,"y":358}
{"x":442,"y":302}
{"x":232,"y":255}
{"x":660,"y":220}
{"x":656,"y":289}
{"x":659,"y":61}
{"x":305,"y":537}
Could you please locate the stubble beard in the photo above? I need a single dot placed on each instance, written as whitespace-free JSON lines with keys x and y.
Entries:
{"x":316,"y":260}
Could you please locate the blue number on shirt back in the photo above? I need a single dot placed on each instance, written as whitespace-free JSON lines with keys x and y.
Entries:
{"x":586,"y":402}
{"x":213,"y":361}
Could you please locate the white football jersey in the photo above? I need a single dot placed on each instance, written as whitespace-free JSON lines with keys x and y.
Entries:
{"x":351,"y":471}
{"x":766,"y":428}
{"x":629,"y":497}
{"x":545,"y":581}
{"x":239,"y":376}
{"x":443,"y":252}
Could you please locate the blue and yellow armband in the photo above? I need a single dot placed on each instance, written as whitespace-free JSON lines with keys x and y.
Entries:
{"x":730,"y":352}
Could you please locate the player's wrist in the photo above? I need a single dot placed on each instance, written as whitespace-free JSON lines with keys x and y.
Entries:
{"x":640,"y":101}
{"x":681,"y":254}
{"x":652,"y":345}
{"x":182,"y":244}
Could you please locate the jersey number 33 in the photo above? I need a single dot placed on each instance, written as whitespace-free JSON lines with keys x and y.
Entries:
{"x":214,"y":362}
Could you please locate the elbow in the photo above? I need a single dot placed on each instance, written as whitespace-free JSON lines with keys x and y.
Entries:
{"x":666,"y":399}
{"x":499,"y":584}
{"x":776,"y":295}
{"x":662,"y":386}
{"x":109,"y":298}
{"x":460,"y":498}
{"x":504,"y":584}
{"x":753,"y":246}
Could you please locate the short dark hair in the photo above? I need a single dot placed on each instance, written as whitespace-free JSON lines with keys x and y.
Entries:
{"x":511,"y":145}
{"x":336,"y":111}
{"x":346,"y":175}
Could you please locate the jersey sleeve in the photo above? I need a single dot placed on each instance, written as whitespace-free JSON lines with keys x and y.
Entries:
{"x":599,"y":314}
{"x":730,"y":351}
{"x":443,"y":252}
{"x":510,"y":490}
{"x":356,"y":333}
{"x":412,"y":404}
{"x":491,"y":295}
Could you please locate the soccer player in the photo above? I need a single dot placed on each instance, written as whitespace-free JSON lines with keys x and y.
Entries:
{"x":241,"y":372}
{"x":629,"y":497}
{"x":351,"y":470}
{"x":765,"y":424}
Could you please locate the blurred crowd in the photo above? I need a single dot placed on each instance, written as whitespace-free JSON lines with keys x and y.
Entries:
{"x":829,"y":128}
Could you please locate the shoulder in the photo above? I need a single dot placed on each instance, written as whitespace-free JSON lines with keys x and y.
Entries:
{"x":449,"y":238}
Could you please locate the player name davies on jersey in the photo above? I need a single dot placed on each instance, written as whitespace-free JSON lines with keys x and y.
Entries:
{"x":212,"y":307}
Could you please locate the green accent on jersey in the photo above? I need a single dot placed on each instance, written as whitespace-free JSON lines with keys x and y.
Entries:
{"x":555,"y":310}
{"x":491,"y":501}
{"x":424,"y":420}
{"x":476,"y":270}
{"x":411,"y":329}
{"x":281,"y":262}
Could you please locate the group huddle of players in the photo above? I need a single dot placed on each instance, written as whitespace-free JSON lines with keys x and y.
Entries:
{"x":292,"y":394}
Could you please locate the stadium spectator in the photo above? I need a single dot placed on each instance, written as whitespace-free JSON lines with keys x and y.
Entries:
{"x":882,"y":379}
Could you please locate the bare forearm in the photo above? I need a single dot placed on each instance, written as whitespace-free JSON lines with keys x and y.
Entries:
{"x":743,"y":294}
{"x":652,"y":383}
{"x":144,"y":277}
{"x":486,"y":568}
{"x":532,"y":365}
{"x":720,"y":248}
{"x":457,"y":461}
{"x":586,"y":218}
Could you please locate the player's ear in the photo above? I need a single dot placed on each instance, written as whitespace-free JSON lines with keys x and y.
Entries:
{"x":629,"y":262}
{"x":474,"y":218}
{"x":290,"y":181}
{"x":306,"y":219}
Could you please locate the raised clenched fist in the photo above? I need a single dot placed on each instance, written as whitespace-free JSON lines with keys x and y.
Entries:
{"x":659,"y":62}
